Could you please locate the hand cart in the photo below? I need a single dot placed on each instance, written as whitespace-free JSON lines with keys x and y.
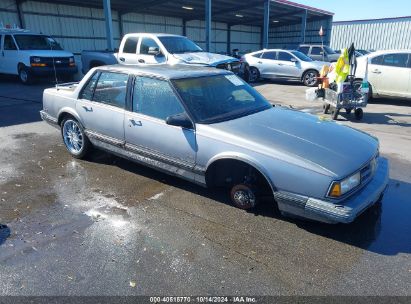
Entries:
{"x":351,"y":99}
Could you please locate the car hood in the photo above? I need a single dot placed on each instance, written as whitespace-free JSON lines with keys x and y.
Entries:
{"x":302,"y":139}
{"x":48,"y":53}
{"x":210,"y":59}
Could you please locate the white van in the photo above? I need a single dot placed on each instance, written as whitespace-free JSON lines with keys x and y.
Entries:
{"x":31,"y":55}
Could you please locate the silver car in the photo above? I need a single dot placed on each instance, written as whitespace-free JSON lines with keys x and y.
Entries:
{"x":277,"y":64}
{"x":210,"y":127}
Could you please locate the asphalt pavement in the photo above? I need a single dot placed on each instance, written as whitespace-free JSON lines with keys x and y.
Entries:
{"x":106,"y":226}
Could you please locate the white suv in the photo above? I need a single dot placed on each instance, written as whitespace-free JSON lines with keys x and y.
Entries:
{"x":27,"y":55}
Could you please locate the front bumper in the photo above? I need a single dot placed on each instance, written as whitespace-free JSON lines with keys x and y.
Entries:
{"x":49,"y":71}
{"x":343,"y":212}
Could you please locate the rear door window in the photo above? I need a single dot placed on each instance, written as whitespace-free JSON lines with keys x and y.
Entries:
{"x":269,"y":55}
{"x":111,"y":89}
{"x":130,"y":46}
{"x":155,"y":98}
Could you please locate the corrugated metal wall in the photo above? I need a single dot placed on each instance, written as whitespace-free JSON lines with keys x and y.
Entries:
{"x":195,"y":30}
{"x":373,"y":34}
{"x":289,"y":36}
{"x":8,"y":12}
{"x":82,"y":28}
{"x":76,"y":28}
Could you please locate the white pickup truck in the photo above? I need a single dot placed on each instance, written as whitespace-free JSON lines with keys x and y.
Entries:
{"x":31,"y":55}
{"x":146,"y":48}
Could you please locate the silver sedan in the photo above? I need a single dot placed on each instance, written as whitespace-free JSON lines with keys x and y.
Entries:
{"x":209,"y":127}
{"x":280,"y":64}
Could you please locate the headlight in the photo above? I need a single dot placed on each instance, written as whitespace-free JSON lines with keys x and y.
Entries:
{"x":346,"y":185}
{"x":71,"y":61}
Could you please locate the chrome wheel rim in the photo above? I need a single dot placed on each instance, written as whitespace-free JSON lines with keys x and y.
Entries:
{"x":244,"y":198}
{"x":23,"y":75}
{"x":310,"y":78}
{"x":73,"y":136}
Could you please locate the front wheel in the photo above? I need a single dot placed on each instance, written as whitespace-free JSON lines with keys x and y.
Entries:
{"x":243,"y":196}
{"x":310,"y":78}
{"x":74,"y":138}
{"x":24,"y":75}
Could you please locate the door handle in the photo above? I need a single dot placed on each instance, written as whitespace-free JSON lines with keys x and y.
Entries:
{"x":135,"y":123}
{"x":376,"y":72}
{"x":88,"y":109}
{"x":141,"y":61}
{"x":259,"y":62}
{"x":122,"y":59}
{"x":281,"y":64}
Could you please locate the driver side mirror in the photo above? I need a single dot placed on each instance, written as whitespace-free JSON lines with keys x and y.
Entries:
{"x":180,"y":120}
{"x":293,"y":60}
{"x":152,"y":50}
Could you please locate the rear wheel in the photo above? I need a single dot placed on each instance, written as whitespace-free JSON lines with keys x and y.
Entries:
{"x":74,"y":138}
{"x":243,"y":196}
{"x":310,"y":78}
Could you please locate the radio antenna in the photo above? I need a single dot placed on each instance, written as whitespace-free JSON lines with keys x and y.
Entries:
{"x":54,"y":69}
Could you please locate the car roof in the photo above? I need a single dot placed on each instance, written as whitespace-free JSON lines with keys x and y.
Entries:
{"x":153,"y":34}
{"x":388,"y":52}
{"x":166,"y":71}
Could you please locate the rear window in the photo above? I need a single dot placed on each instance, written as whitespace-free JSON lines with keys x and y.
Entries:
{"x":130,"y":46}
{"x":316,"y":50}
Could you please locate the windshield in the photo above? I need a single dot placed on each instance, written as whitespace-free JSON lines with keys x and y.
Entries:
{"x":218,"y":98}
{"x":36,"y":42}
{"x":329,"y":50}
{"x":301,"y":56}
{"x":176,"y":45}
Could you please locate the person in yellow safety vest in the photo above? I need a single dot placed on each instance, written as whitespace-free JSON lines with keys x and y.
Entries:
{"x":342,"y":68}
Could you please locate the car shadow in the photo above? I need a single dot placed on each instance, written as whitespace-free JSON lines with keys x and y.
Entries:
{"x":401,"y":102}
{"x":384,"y":228}
{"x":393,"y":119}
{"x":4,"y":233}
{"x":277,"y":81}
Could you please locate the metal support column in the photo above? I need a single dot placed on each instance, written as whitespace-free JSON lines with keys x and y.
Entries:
{"x":19,"y":13}
{"x":120,"y":24}
{"x":303,"y":25}
{"x":228,"y":39}
{"x":266,"y":26}
{"x":329,"y":31}
{"x":184,"y":27}
{"x":208,"y":24}
{"x":109,"y":24}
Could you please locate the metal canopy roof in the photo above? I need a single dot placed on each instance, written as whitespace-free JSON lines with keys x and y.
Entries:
{"x":232,"y":12}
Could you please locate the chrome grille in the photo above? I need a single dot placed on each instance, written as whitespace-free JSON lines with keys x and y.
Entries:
{"x":368,"y":171}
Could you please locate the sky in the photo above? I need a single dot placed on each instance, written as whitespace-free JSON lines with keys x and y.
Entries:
{"x":362,"y":9}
